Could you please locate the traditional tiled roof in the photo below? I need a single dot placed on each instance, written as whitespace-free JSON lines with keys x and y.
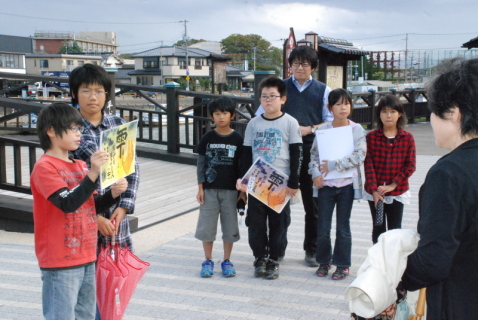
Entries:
{"x":473,"y":43}
{"x":16,"y":44}
{"x":144,"y":72}
{"x":180,"y":52}
{"x":123,"y":73}
{"x":236,"y":72}
{"x":340,"y":46}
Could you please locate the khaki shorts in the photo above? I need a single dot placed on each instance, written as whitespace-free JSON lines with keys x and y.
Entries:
{"x":218,"y":203}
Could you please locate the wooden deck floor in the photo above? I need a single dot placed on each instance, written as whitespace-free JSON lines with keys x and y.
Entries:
{"x":166,"y":189}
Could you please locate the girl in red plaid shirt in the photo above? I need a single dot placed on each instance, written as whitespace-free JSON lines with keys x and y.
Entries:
{"x":390,"y":161}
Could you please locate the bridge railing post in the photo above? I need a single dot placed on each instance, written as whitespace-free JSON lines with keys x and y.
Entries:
{"x":172,"y":101}
{"x":111,"y":72}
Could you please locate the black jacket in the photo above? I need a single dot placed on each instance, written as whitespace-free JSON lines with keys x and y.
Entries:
{"x":446,"y":259}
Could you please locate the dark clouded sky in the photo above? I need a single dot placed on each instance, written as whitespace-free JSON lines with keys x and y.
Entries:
{"x":143,"y":24}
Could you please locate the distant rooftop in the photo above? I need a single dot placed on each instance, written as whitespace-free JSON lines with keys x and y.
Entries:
{"x":14,"y":44}
{"x":339,"y":46}
{"x":169,"y":51}
{"x":473,"y":43}
{"x":212,"y":46}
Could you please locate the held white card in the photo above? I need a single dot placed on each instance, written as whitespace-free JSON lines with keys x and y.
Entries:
{"x":334,"y":144}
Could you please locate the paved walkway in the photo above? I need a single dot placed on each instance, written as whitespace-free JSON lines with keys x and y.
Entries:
{"x":172,"y":288}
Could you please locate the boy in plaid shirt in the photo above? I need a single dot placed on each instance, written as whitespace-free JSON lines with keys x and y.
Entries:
{"x":89,"y":85}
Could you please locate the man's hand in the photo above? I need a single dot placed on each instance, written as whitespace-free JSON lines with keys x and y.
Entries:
{"x":304,"y":131}
{"x":119,"y":187}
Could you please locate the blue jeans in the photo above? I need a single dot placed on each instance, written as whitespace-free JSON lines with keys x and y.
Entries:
{"x":327,"y":199}
{"x":69,"y":294}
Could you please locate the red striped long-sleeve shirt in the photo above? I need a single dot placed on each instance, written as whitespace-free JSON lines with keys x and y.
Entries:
{"x":387,"y":162}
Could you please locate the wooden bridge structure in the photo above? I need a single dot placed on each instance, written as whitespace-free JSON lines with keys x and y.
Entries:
{"x":167,"y":135}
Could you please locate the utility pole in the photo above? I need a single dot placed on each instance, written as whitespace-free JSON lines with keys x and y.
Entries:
{"x":406,"y":56}
{"x":161,"y":67}
{"x":187,"y":55}
{"x":254,"y":58}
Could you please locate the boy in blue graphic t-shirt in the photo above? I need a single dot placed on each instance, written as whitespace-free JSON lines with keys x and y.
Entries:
{"x":217,"y":170}
{"x":275,"y":137}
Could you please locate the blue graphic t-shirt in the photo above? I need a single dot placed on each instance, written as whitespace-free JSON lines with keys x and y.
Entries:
{"x":270,"y":139}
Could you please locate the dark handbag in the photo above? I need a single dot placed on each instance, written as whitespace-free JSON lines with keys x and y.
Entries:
{"x":391,"y":312}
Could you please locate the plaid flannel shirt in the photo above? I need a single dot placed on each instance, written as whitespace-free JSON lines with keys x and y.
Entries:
{"x":389,"y":162}
{"x":90,"y":140}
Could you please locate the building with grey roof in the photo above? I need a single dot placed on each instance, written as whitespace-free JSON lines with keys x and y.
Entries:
{"x":12,"y":53}
{"x":160,"y":65}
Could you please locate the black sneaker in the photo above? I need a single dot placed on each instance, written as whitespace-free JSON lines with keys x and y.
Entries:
{"x":340,"y":273}
{"x":260,"y":267}
{"x":323,"y":270}
{"x":272,"y":270}
{"x":310,"y":259}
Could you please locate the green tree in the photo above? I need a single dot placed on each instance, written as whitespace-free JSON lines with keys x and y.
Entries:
{"x":253,"y":46}
{"x":126,"y":56}
{"x":181,"y":43}
{"x":67,"y":48}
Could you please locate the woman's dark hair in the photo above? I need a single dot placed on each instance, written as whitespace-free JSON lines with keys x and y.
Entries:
{"x":394,"y":103}
{"x":304,"y":54}
{"x":223,"y":104}
{"x":455,"y":85}
{"x":89,"y":74}
{"x":338,"y":95}
{"x":59,"y":116}
{"x":273,"y":82}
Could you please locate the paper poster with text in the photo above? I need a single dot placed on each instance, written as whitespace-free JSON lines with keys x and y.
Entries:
{"x":267,"y":184}
{"x":120,"y":143}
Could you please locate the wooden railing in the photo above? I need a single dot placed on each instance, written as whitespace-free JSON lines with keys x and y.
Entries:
{"x":177,"y":129}
{"x":21,"y":155}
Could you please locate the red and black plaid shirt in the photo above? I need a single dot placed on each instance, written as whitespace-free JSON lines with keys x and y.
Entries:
{"x":387,"y":162}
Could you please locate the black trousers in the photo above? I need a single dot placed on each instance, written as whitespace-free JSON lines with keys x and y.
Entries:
{"x":310,"y":207}
{"x":392,"y":213}
{"x":266,"y":229}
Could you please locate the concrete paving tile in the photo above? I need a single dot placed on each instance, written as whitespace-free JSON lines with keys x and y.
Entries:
{"x":172,"y":289}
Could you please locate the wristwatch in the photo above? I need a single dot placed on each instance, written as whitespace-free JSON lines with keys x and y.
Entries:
{"x":313,"y":129}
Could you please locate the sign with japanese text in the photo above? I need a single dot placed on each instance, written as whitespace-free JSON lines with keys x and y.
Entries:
{"x":288,"y":47}
{"x":120,"y":143}
{"x":267,"y":184}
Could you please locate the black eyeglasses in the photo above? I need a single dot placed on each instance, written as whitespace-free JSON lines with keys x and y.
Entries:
{"x":271,"y":97}
{"x":76,"y":129}
{"x":303,"y":64}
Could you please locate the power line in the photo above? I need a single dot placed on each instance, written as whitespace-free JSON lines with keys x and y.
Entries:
{"x":416,"y":34}
{"x":394,"y":35}
{"x":90,"y":22}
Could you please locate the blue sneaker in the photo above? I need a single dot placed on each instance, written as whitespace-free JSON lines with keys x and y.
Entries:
{"x":207,"y":269}
{"x":228,"y":268}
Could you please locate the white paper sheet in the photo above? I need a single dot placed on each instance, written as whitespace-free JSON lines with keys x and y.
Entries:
{"x":335,"y":144}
